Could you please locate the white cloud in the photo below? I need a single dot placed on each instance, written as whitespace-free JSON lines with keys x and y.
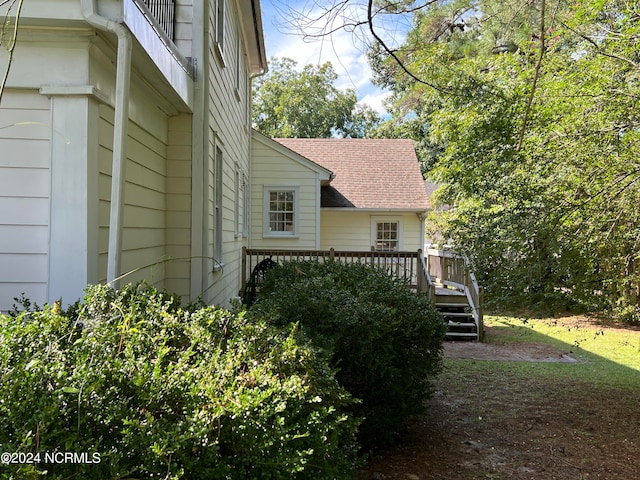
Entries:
{"x":376,"y":100}
{"x":344,"y":49}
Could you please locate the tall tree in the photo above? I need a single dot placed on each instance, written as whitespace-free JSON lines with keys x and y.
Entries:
{"x":532,"y":108}
{"x":288,"y":102}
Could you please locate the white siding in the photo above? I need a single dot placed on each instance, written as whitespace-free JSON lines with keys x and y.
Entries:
{"x":183,"y":37}
{"x":145,"y":205}
{"x":351,"y":230}
{"x":178,"y":220}
{"x":25,"y":179}
{"x":227,"y":112}
{"x":272,"y":168}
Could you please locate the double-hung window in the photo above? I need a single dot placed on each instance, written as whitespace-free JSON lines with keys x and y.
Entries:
{"x":385,"y":233}
{"x":281,"y":211}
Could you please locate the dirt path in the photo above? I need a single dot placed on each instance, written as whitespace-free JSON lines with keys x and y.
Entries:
{"x":493,"y":424}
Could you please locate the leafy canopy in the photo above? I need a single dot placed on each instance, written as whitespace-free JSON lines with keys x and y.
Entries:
{"x":526,"y":113}
{"x":288,"y":103}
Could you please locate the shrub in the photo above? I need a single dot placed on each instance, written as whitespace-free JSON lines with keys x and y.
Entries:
{"x":158,"y":391}
{"x":384,"y":340}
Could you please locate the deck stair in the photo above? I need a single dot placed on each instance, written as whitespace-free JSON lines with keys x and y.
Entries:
{"x":456,"y":294}
{"x":457,"y":315}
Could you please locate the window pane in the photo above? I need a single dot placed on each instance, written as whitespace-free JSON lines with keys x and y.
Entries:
{"x":282,"y":211}
{"x":387,"y":236}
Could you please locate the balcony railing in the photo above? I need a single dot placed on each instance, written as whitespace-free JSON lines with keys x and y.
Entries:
{"x":164,"y":12}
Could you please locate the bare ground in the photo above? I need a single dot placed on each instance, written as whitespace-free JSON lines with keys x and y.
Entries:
{"x":493,"y":424}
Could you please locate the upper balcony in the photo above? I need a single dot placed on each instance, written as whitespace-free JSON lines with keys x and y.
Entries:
{"x":164,"y":13}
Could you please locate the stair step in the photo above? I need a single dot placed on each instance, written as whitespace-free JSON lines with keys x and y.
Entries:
{"x":458,"y":323}
{"x":462,"y":335}
{"x":451,"y":304}
{"x":457,"y":314}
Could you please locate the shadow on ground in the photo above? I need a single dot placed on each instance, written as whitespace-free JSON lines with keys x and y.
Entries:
{"x":525,"y":410}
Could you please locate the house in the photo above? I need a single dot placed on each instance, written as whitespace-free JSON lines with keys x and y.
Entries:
{"x":346,"y":194}
{"x":354,"y":200}
{"x":125,"y":145}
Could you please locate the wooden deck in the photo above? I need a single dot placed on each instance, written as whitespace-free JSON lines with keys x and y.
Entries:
{"x":441,"y":274}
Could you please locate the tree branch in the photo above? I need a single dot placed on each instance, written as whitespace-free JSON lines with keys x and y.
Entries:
{"x":527,"y":112}
{"x":598,"y":50}
{"x":392,"y":54}
{"x":11,"y":46}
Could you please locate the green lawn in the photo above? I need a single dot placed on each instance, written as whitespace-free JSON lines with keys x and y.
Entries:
{"x":607,"y":355}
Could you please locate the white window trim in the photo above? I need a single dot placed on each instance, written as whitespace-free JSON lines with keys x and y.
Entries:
{"x":237,"y":199}
{"x":220,"y":12}
{"x":245,"y":205}
{"x":385,"y":219}
{"x":238,"y":70}
{"x":218,"y":235}
{"x":296,"y":211}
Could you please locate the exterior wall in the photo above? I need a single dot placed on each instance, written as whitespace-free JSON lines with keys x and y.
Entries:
{"x":227,"y":118}
{"x":144,"y":227}
{"x":171,"y":141}
{"x":272,"y":169}
{"x":351,"y":230}
{"x":178,"y":215}
{"x":183,"y":35}
{"x":25,"y":179}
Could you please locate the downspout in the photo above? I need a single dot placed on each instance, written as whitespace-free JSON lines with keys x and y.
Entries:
{"x":121,"y":117}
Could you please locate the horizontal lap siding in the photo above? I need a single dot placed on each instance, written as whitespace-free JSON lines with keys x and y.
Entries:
{"x":145,"y":204}
{"x":271,"y":168}
{"x":230,"y":130}
{"x":351,"y":231}
{"x":178,"y":216}
{"x":25,"y":184}
{"x":345,"y":231}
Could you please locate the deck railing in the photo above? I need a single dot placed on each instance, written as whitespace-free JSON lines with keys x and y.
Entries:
{"x":453,"y":270}
{"x":405,"y":266}
{"x":164,"y":12}
{"x":422,"y":271}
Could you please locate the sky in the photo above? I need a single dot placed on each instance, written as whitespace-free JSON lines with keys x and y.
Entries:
{"x":344,"y":49}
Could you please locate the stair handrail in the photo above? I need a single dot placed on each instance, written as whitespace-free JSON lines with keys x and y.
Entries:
{"x":430,"y":287}
{"x":469,"y":284}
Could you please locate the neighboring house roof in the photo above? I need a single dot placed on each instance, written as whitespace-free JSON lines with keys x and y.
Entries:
{"x":380,"y":174}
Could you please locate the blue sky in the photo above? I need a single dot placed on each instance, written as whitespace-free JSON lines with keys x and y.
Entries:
{"x":343,"y":49}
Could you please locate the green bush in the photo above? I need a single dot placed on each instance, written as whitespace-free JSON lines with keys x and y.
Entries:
{"x":384,"y":340}
{"x":153,"y":390}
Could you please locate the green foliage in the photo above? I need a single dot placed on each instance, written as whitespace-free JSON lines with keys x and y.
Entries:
{"x":305,"y":104}
{"x":158,"y":391}
{"x":532,"y":130}
{"x":384,"y":340}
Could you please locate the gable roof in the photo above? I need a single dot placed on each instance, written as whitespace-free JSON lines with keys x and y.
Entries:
{"x":379,"y":174}
{"x":325,"y":174}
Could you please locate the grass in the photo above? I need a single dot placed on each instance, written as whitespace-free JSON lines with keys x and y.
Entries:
{"x":606,"y":356}
{"x":520,"y":420}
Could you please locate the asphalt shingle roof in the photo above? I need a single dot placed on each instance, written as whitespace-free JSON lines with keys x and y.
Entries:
{"x":369,"y":173}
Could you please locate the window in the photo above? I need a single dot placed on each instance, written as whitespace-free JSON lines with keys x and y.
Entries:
{"x":237,"y":196}
{"x":245,"y":205}
{"x":217,"y":243}
{"x":385,"y":234}
{"x":220,"y":7}
{"x":281,"y":211}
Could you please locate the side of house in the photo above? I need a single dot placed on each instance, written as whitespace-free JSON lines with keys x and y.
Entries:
{"x":285,"y":197}
{"x":126,"y":148}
